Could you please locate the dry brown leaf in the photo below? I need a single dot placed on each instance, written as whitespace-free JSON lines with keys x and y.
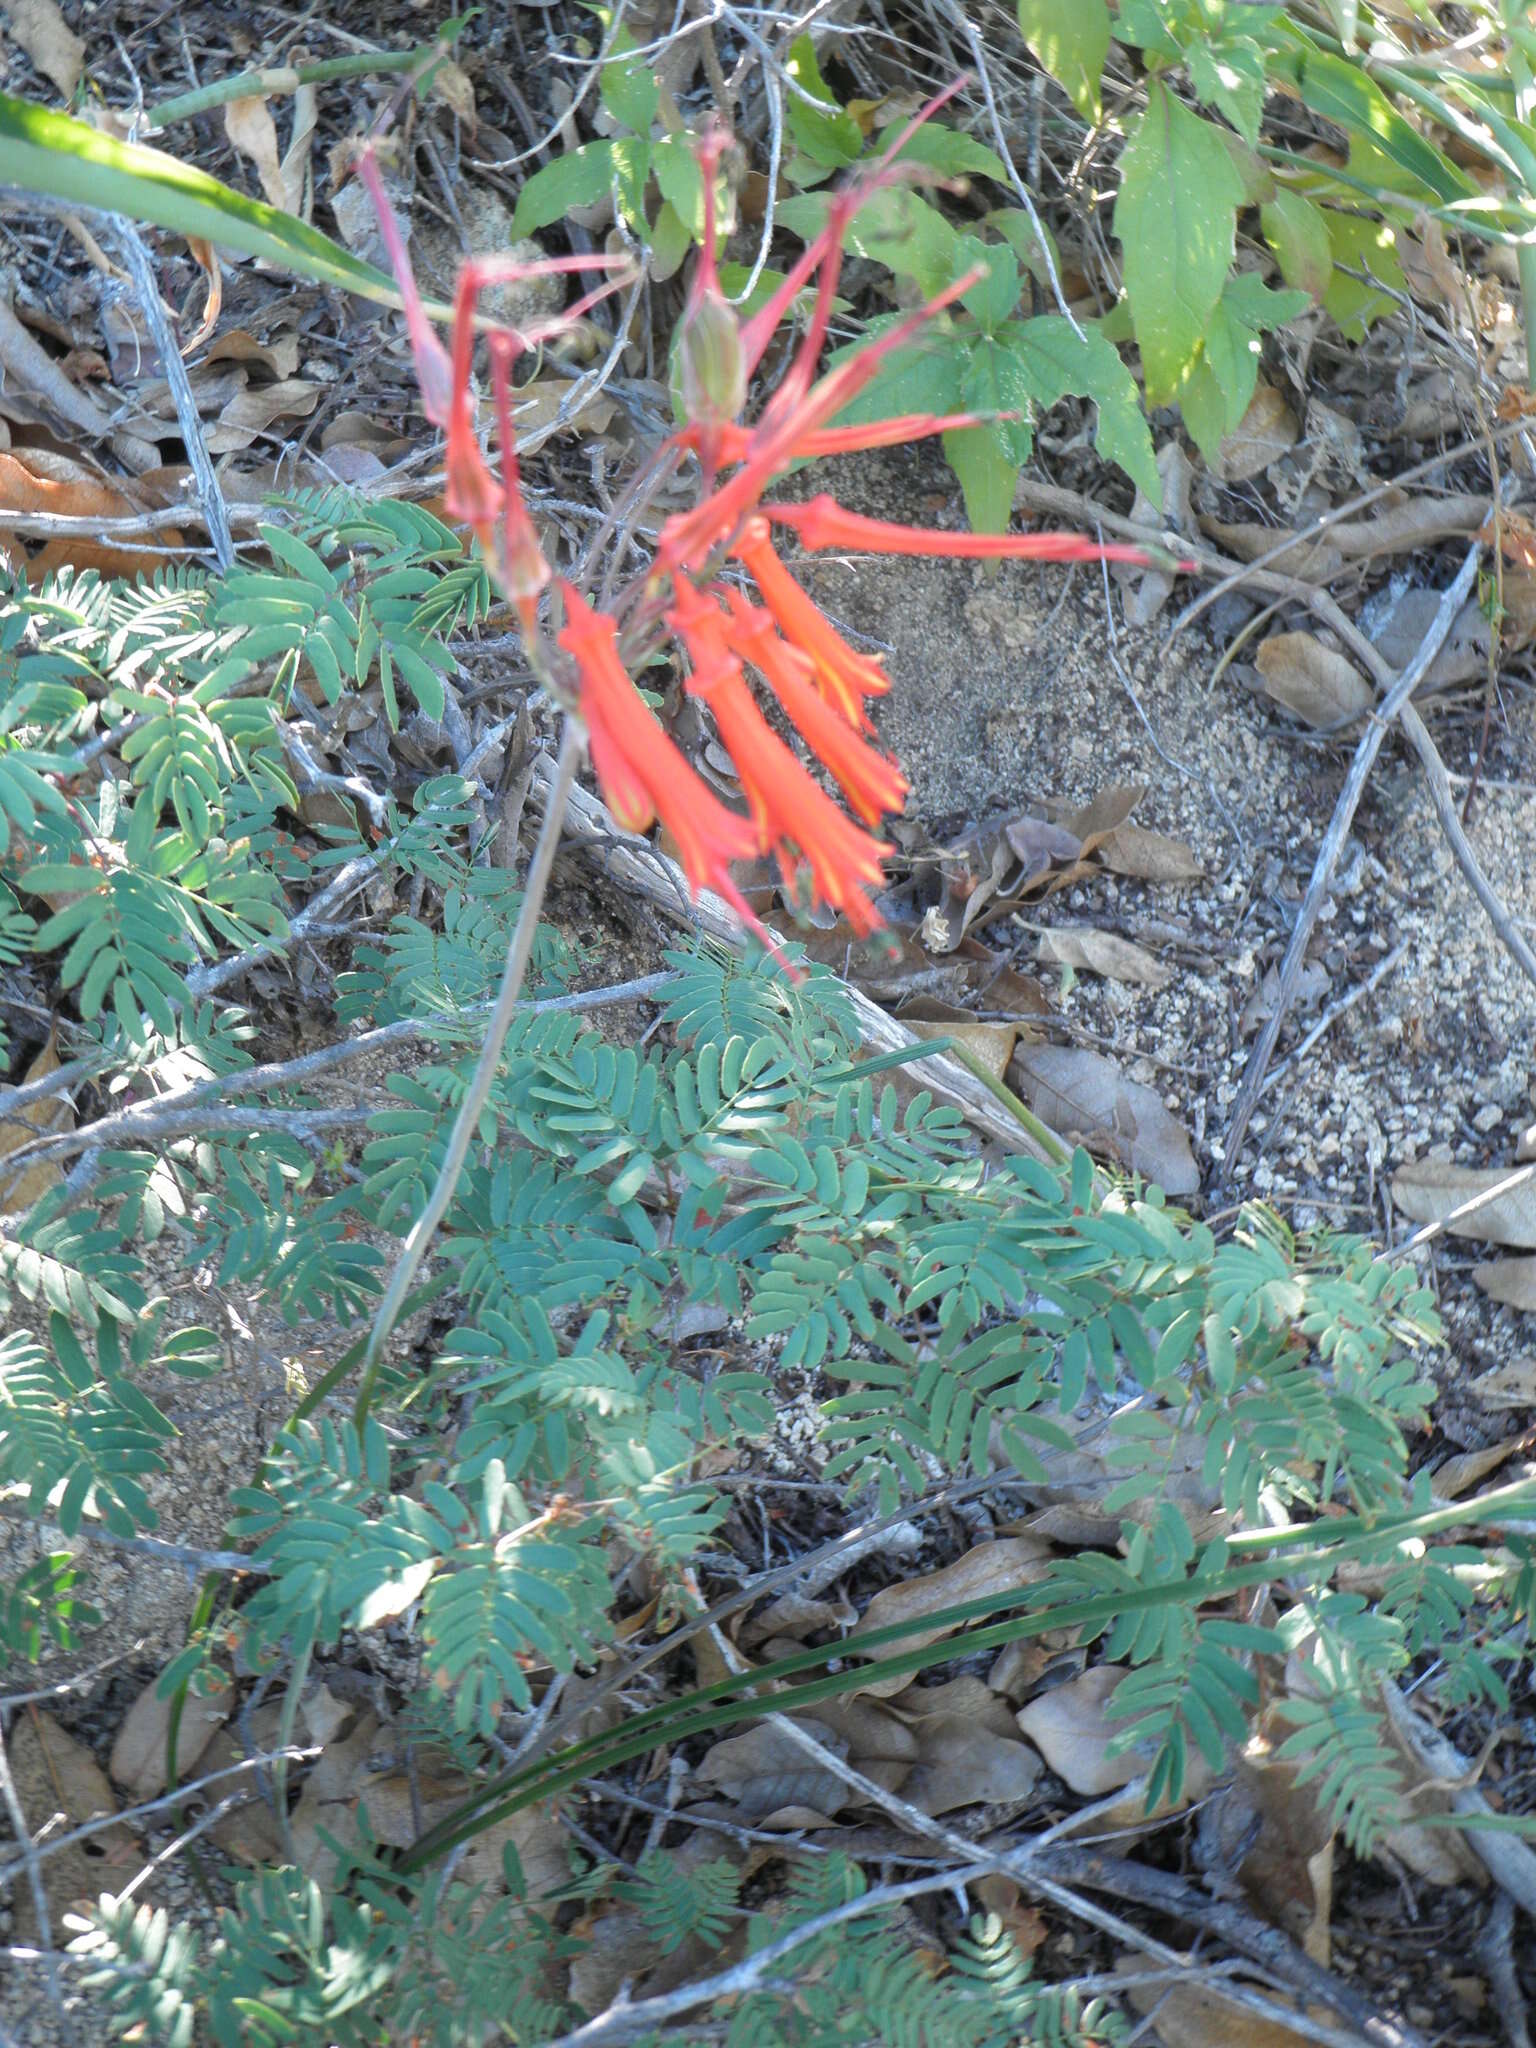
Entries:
{"x":1190,"y":2016}
{"x":40,"y":30}
{"x":1072,"y":1729}
{"x":1416,"y":522}
{"x":249,"y":1833}
{"x":1315,"y":561}
{"x":1315,"y":682}
{"x":279,"y":356}
{"x":251,"y":412}
{"x":1086,"y":1098}
{"x":962,"y":1763}
{"x":1095,"y":952}
{"x":138,"y":1755}
{"x":990,"y":1568}
{"x":1511,"y":1281}
{"x":206,"y":257}
{"x":1273,"y":1834}
{"x":1264,"y":433}
{"x":54,"y":1775}
{"x":28,"y":1184}
{"x":1451,"y":1479}
{"x":1434,"y":1191}
{"x":1507,"y":1386}
{"x":249,"y":125}
{"x":1149,"y":856}
{"x":766,"y":1775}
{"x":452,"y":85}
{"x":990,"y":1045}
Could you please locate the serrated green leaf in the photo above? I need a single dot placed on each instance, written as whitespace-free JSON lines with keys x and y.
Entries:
{"x":995,"y":296}
{"x":1176,"y":218}
{"x":1297,"y":231}
{"x":1057,"y":363}
{"x":824,"y":133}
{"x":946,"y":150}
{"x":579,"y":178}
{"x":1230,"y":77}
{"x":1361,"y":243}
{"x":627,"y":84}
{"x":1071,"y":39}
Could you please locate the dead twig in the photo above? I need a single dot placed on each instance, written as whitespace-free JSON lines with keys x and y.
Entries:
{"x":1497,"y":1952}
{"x":1377,"y":727}
{"x":209,"y":496}
{"x":1332,"y":1014}
{"x":30,"y":1861}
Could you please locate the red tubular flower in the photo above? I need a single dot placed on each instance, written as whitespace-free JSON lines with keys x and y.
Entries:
{"x":822,"y":523}
{"x":845,"y":678}
{"x":642,"y":773}
{"x":872,"y":783}
{"x":791,"y":811}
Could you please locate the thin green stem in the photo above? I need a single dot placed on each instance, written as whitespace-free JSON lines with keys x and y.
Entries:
{"x":519,"y":952}
{"x":283,"y":78}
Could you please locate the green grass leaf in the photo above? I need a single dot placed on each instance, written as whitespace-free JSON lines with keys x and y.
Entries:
{"x":42,"y":151}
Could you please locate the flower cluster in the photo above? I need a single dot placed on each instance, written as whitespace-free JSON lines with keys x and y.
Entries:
{"x":820,"y":683}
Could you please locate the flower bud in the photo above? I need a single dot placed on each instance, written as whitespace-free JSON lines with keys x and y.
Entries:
{"x":710,"y":372}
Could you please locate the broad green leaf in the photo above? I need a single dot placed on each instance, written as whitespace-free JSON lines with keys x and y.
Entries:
{"x":894,"y":227}
{"x":628,"y":86}
{"x":579,"y":178}
{"x":681,"y":183}
{"x":924,"y":377}
{"x":670,"y":243}
{"x":993,"y":298}
{"x":1297,"y":231}
{"x":946,"y":150}
{"x":1056,"y":362}
{"x":1360,"y":243}
{"x":1071,"y":39}
{"x":631,"y":175}
{"x":1230,"y":77}
{"x":42,"y":151}
{"x":1018,"y":231}
{"x":995,"y":380}
{"x":987,"y":473}
{"x":831,"y":138}
{"x":1176,"y":217}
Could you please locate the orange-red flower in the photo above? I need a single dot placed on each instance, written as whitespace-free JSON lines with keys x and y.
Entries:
{"x":843,"y":676}
{"x":872,"y":782}
{"x":793,"y":814}
{"x":643,"y":774}
{"x":822,"y":523}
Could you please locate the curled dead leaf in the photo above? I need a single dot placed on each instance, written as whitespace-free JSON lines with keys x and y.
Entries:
{"x":998,"y":1567}
{"x":138,"y":1757}
{"x":28,"y":1184}
{"x":1496,"y":1204}
{"x":1106,"y":953}
{"x":1315,"y":682}
{"x":1086,"y":1098}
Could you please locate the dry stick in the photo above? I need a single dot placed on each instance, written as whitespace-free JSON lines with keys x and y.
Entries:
{"x":1331,"y":1016}
{"x":961,"y":19}
{"x":1378,"y":724}
{"x":30,"y":1861}
{"x":1510,"y":1862}
{"x":209,"y":496}
{"x":1497,"y":1954}
{"x":414,"y":1250}
{"x":146,"y":1119}
{"x":1030,"y":1863}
